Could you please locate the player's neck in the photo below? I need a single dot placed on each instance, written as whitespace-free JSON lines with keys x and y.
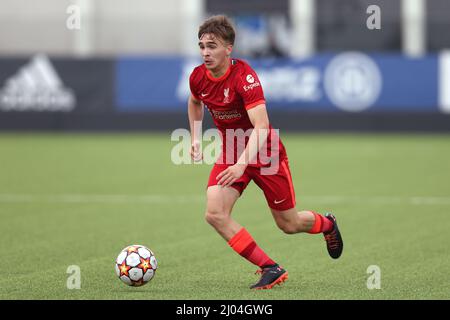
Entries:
{"x":220,"y":70}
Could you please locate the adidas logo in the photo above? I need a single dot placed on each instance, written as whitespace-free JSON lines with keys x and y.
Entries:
{"x":36,"y":87}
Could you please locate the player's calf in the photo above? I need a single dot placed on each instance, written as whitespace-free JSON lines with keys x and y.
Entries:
{"x":288,"y":228}
{"x":291,"y":221}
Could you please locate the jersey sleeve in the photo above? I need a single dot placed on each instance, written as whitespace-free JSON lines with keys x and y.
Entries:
{"x":250,"y":88}
{"x":192,"y":84}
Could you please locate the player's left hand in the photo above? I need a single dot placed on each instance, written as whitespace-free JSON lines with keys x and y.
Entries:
{"x":228,"y":176}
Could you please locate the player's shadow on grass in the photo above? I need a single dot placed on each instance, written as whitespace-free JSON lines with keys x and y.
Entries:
{"x":143,"y":290}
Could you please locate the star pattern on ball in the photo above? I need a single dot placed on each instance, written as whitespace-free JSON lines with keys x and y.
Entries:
{"x":132,"y":249}
{"x":145,"y":264}
{"x":123,"y":268}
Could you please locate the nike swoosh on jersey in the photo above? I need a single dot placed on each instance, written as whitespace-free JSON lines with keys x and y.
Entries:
{"x":277,"y":202}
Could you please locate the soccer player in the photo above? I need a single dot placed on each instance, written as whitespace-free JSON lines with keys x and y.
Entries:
{"x":230,"y":89}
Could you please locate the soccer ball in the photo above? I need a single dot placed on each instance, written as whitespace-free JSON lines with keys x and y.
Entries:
{"x":136,"y":265}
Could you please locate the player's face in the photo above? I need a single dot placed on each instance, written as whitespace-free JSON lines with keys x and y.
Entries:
{"x":214,"y":51}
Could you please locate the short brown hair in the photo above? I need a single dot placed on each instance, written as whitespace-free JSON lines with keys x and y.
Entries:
{"x":220,"y":26}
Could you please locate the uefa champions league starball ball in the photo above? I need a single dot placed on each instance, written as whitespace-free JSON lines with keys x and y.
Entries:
{"x":136,"y":265}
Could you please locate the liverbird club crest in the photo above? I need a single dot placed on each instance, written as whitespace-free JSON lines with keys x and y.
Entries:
{"x":226,"y":93}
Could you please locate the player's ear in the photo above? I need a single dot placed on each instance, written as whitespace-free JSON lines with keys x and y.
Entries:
{"x":229,"y":48}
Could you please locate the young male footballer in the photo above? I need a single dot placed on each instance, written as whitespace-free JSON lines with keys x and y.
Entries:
{"x":231,"y":91}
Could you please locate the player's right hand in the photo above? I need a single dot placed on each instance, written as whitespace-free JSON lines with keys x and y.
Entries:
{"x":196,"y":154}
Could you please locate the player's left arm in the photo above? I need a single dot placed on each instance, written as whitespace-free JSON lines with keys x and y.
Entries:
{"x":260,"y":120}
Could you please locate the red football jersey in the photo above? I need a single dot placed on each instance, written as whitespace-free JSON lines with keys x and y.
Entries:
{"x":228,"y":98}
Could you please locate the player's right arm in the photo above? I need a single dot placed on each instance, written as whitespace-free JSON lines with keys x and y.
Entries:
{"x":195,"y":113}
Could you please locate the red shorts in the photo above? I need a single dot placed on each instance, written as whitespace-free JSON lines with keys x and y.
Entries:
{"x":278,"y":188}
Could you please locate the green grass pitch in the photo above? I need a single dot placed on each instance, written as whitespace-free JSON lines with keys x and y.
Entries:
{"x":78,"y":199}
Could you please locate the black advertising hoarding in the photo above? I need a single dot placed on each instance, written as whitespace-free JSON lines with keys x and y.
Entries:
{"x":56,"y":85}
{"x":67,"y":94}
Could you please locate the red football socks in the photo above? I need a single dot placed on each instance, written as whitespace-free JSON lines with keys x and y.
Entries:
{"x":321,"y":224}
{"x":243,"y":243}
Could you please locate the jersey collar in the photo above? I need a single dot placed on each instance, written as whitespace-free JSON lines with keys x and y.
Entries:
{"x":224,"y":76}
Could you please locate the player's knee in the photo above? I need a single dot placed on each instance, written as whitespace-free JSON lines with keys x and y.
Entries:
{"x":215,"y":217}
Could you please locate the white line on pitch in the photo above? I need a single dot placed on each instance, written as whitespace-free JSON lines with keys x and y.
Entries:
{"x":97,"y":198}
{"x":165,"y":198}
